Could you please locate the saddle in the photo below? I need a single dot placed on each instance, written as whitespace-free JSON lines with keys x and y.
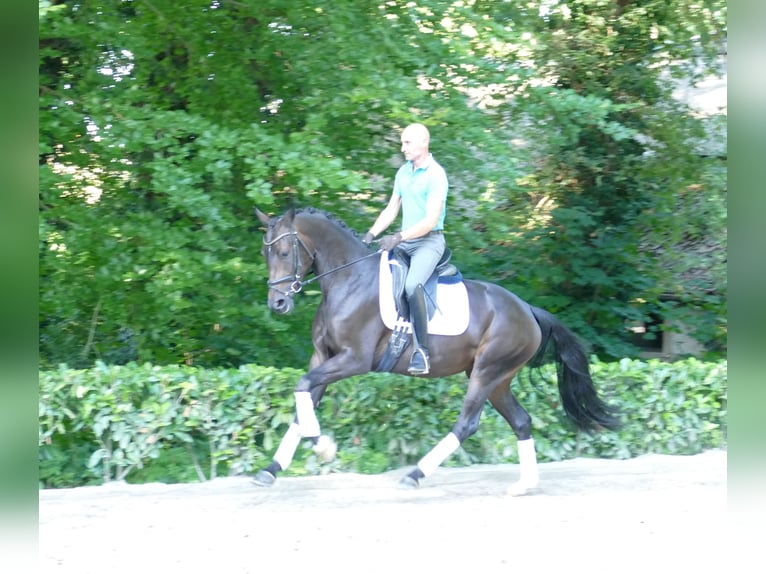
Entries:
{"x":399,"y":264}
{"x":444,"y":272}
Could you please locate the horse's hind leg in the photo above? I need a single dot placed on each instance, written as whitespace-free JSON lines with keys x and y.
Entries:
{"x":467,"y":424}
{"x":506,"y":404}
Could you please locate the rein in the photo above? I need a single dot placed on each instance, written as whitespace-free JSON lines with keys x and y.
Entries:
{"x":349,"y":264}
{"x":296,"y":283}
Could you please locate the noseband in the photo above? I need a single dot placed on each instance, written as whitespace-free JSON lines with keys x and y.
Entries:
{"x":296,"y":284}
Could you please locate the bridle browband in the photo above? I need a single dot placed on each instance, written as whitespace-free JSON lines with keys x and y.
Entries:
{"x":296,"y":283}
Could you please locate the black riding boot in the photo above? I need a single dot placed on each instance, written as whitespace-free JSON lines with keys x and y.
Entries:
{"x":419,"y":363}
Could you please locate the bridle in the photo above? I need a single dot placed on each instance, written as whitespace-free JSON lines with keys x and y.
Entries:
{"x":296,"y":282}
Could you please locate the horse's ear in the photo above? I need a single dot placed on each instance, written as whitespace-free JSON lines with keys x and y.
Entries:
{"x":265,"y":219}
{"x":288,"y":217}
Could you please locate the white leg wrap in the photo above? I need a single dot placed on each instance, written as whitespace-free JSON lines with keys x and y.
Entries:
{"x":438,"y":454}
{"x":528,"y":461}
{"x":307,"y":418}
{"x":286,"y":450}
{"x":528,"y":476}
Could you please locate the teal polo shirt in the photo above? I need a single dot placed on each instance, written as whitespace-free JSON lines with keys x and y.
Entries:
{"x":414,"y":186}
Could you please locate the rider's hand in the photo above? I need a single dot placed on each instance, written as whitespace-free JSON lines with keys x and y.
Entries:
{"x":388,"y":242}
{"x":367,"y":239}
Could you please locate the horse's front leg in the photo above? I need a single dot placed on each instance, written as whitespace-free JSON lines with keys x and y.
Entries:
{"x":324,"y":446}
{"x":308,"y":393}
{"x":307,"y":422}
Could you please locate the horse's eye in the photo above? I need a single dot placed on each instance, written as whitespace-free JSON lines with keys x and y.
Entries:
{"x":284,"y":253}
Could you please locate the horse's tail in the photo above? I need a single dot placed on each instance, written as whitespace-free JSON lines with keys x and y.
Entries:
{"x":578,"y":394}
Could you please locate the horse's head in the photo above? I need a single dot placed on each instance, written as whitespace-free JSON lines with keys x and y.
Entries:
{"x":289,"y":257}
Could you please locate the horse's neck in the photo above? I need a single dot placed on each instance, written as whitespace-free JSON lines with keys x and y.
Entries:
{"x":334,"y":248}
{"x":348,"y":273}
{"x":338,"y":261}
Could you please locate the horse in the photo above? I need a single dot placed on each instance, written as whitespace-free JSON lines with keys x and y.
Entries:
{"x":350,"y":338}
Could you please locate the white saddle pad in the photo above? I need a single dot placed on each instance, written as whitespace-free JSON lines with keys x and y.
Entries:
{"x":452,"y":313}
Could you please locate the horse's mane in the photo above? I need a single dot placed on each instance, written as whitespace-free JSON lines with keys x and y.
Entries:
{"x":320,"y":212}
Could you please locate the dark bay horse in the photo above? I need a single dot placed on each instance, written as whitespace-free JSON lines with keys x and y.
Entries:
{"x":350,"y":338}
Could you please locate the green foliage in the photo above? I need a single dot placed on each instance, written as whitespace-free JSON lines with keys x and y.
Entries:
{"x":570,"y":163}
{"x":677,"y":408}
{"x":596,"y":237}
{"x":130,"y":414}
{"x":178,"y":424}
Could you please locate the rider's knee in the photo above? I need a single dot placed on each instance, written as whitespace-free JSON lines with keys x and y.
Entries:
{"x":411,"y":289}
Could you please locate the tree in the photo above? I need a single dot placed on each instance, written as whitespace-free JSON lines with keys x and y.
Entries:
{"x":162,"y":125}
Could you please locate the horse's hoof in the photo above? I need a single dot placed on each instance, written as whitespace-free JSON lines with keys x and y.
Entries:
{"x":409,"y":483}
{"x":264,"y":478}
{"x":325,"y":448}
{"x":521,"y":488}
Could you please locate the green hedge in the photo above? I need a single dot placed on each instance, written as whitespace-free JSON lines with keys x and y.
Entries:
{"x":145,"y":423}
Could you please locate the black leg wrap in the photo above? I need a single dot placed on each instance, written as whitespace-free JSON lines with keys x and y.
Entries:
{"x":268,"y":475}
{"x":412,"y":480}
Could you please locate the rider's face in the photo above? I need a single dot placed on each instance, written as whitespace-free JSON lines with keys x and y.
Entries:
{"x":414,"y":146}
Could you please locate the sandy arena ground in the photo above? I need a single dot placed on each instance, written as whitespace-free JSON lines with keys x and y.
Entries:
{"x":653,"y":513}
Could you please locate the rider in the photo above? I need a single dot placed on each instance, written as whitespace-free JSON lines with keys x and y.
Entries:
{"x":420,"y":189}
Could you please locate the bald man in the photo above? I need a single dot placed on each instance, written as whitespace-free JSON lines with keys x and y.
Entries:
{"x":420,"y":191}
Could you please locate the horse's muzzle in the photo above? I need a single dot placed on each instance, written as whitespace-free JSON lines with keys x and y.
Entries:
{"x":280,"y":303}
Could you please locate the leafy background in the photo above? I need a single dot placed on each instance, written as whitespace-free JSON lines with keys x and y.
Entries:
{"x":144,"y":423}
{"x":577,"y":179}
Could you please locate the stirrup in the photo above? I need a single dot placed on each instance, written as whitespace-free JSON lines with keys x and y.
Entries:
{"x":419,"y":364}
